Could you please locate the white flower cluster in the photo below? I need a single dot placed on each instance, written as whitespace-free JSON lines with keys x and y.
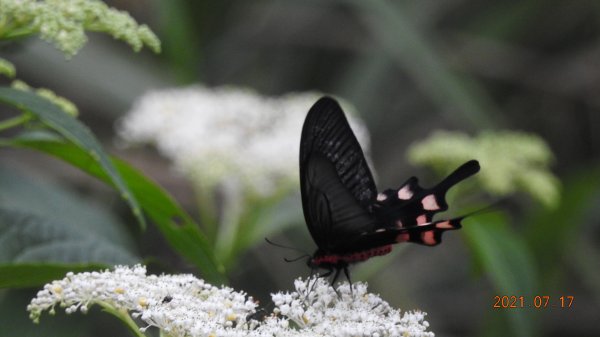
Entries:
{"x":63,"y":23}
{"x":317,"y":308}
{"x":182,"y":305}
{"x":214,"y":134}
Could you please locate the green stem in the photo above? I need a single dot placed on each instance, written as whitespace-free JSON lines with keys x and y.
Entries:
{"x":207,"y":210}
{"x":12,"y":32}
{"x":123,"y":315}
{"x":15,"y":121}
{"x":229,"y":222}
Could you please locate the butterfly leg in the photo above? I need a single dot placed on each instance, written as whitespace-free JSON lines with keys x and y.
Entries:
{"x":312,"y":272}
{"x":311,"y":286}
{"x":329,"y":272}
{"x":335,"y":277}
{"x":349,"y":280}
{"x":310,"y":277}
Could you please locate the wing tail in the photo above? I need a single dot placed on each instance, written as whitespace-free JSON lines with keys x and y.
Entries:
{"x":411,"y":205}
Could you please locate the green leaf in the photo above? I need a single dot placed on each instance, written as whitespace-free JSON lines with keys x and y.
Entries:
{"x":27,"y":237}
{"x":180,"y":230}
{"x":550,"y":232}
{"x":72,"y":129}
{"x":46,"y":226}
{"x":505,"y":258}
{"x":36,"y":274}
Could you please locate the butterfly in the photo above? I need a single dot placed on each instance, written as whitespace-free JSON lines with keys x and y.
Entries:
{"x":347,"y":218}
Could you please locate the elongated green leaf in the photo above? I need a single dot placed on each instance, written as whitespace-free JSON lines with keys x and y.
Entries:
{"x":393,"y":30}
{"x":551,"y":231}
{"x":176,"y":225}
{"x":504,"y":256}
{"x":36,"y":274}
{"x":68,"y":126}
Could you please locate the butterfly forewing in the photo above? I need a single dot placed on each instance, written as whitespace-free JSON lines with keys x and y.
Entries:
{"x":336,"y":184}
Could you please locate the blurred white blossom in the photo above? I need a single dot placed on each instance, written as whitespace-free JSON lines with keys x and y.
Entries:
{"x":182,"y":305}
{"x":215,"y":134}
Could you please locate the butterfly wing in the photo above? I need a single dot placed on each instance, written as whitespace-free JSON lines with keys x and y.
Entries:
{"x":413,"y":205}
{"x":336,"y":184}
{"x":406,"y":214}
{"x":428,"y":234}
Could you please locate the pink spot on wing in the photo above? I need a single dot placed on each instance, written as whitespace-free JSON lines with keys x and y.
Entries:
{"x":402,"y":237}
{"x":405,"y":193}
{"x":444,"y":225}
{"x":428,"y":238}
{"x":399,"y":223}
{"x":421,"y":220}
{"x":429,"y":203}
{"x":381,"y":197}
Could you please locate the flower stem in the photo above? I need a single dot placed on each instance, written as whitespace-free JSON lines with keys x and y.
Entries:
{"x":207,"y":210}
{"x":15,"y":121}
{"x":123,"y":315}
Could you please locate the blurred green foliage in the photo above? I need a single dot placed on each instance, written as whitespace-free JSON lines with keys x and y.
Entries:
{"x":511,"y":161}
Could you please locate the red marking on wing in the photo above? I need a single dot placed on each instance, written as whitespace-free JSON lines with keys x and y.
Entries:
{"x":428,"y":238}
{"x":444,"y":225}
{"x":403,"y":237}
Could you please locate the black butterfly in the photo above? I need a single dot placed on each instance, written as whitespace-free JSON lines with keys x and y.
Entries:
{"x":348,"y":220}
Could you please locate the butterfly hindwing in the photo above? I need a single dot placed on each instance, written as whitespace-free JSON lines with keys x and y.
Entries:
{"x":406,"y":214}
{"x":336,"y":184}
{"x":429,"y":234}
{"x":411,"y":205}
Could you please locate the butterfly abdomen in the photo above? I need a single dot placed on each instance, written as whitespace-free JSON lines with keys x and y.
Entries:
{"x":348,"y":258}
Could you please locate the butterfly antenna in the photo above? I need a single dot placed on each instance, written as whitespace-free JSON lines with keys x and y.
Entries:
{"x":286,"y":247}
{"x":296,"y":259}
{"x":496,"y":205}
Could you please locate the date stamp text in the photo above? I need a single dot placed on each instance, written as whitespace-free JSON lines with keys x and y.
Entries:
{"x":536,"y":302}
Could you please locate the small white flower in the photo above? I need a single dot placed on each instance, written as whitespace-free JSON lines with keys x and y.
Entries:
{"x":182,"y":305}
{"x":215,"y":134}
